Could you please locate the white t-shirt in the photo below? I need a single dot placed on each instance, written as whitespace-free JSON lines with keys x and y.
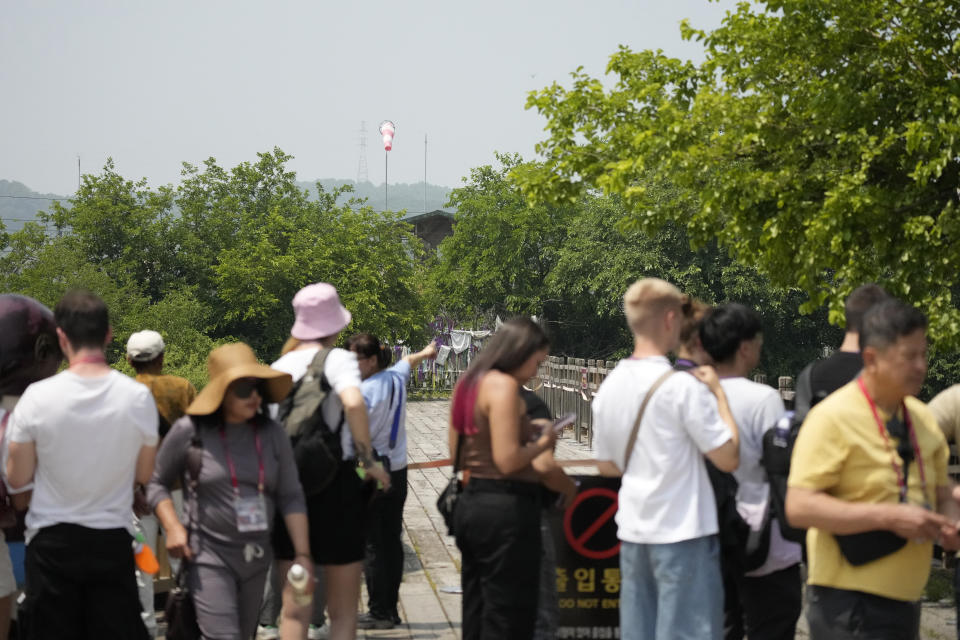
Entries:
{"x":88,"y":433}
{"x":665,"y":494}
{"x":385,"y":392}
{"x":756,"y":409}
{"x":342,"y":372}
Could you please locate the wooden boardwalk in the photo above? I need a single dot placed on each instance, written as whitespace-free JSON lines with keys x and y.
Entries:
{"x":433,"y":561}
{"x":432,"y":558}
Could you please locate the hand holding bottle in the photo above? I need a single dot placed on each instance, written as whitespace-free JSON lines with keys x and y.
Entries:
{"x":300,"y":577}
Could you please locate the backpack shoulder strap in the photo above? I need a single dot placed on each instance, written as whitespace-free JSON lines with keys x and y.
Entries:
{"x":643,"y":407}
{"x":297,"y":403}
{"x":315,"y":368}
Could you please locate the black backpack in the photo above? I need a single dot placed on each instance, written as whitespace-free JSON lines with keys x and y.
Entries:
{"x":778,"y":446}
{"x":316,"y":447}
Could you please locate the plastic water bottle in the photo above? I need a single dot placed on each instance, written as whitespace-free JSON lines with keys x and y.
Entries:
{"x":143,"y":555}
{"x":781,"y":434}
{"x":298,"y":577}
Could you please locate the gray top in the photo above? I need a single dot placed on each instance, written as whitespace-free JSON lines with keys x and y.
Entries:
{"x":218,"y":519}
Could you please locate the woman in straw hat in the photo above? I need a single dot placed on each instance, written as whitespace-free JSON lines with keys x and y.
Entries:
{"x":337,"y":513}
{"x":247,"y":473}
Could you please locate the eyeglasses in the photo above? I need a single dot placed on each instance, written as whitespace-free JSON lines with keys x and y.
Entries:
{"x":245,"y":386}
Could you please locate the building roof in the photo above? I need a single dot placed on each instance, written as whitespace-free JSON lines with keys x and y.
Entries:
{"x":419,"y":217}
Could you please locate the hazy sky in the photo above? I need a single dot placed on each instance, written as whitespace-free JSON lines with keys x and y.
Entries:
{"x":155,"y":84}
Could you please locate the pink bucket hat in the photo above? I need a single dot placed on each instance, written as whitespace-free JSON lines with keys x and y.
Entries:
{"x":318,"y":312}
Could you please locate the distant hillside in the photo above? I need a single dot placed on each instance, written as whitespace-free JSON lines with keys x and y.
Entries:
{"x":402,"y":196}
{"x":20,"y":204}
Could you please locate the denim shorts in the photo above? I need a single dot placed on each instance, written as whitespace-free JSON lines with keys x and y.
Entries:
{"x":671,"y":591}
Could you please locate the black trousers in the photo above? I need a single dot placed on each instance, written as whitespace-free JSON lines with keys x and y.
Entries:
{"x":81,"y":585}
{"x":762,"y":608}
{"x":839,"y":614}
{"x":498,"y":532}
{"x":956,"y":594}
{"x":383,"y":566}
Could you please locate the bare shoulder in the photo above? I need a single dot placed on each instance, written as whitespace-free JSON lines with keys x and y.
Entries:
{"x":496,"y":388}
{"x":497,"y":383}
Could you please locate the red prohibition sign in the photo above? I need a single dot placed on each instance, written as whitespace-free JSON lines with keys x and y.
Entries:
{"x":579,"y":542}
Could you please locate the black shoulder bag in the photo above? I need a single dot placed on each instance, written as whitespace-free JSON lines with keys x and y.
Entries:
{"x":862,"y":548}
{"x":180,"y":612}
{"x":447,"y":502}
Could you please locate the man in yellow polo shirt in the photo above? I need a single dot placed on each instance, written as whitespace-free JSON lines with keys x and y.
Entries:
{"x":869,"y":479}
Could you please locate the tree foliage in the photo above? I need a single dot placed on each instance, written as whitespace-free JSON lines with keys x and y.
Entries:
{"x":571,"y":264}
{"x":818,"y":141}
{"x":502,"y":250}
{"x":219,"y":258}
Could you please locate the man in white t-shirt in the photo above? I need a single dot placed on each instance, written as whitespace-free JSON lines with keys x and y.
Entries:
{"x":84,"y":437}
{"x":763,"y":600}
{"x":667,"y":521}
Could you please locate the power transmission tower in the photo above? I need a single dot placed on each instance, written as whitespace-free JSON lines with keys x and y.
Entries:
{"x":362,"y":175}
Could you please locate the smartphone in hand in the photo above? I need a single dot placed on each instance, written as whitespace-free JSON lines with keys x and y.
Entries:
{"x":562,"y":422}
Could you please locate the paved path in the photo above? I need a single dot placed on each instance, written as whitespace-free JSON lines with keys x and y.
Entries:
{"x":432,"y":559}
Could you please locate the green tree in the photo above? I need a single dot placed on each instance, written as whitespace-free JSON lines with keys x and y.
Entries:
{"x":251,"y":237}
{"x":818,"y":141}
{"x":604,"y":254}
{"x":218,"y":259}
{"x":122,"y":226}
{"x":501,"y":250}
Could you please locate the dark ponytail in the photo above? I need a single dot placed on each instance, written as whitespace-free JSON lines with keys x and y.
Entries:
{"x":366,"y":345}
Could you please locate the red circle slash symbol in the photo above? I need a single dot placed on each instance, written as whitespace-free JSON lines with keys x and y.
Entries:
{"x":589,"y":502}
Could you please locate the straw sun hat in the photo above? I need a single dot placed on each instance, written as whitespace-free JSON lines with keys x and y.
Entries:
{"x":232,"y":362}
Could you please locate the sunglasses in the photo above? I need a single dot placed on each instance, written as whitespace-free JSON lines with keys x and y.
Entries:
{"x":245,"y":387}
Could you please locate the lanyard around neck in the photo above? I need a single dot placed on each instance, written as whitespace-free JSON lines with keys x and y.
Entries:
{"x":901,"y":481}
{"x":233,"y":470}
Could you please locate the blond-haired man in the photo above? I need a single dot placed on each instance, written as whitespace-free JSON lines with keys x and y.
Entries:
{"x":667,"y":520}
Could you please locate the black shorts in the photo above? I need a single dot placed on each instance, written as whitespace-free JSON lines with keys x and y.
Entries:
{"x":336,"y":517}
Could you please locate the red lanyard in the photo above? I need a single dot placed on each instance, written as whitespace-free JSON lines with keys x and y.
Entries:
{"x":92,"y":359}
{"x":901,"y":483}
{"x":233,"y":470}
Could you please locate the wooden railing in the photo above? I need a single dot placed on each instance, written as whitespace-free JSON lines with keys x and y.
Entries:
{"x":568,"y":385}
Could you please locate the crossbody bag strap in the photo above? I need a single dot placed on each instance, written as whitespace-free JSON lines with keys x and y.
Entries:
{"x":643,"y":408}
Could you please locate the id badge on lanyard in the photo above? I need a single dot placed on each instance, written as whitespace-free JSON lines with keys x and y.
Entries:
{"x":251,"y":513}
{"x":251,"y":510}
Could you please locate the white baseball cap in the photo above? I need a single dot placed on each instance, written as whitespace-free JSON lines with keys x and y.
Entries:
{"x":145,"y":345}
